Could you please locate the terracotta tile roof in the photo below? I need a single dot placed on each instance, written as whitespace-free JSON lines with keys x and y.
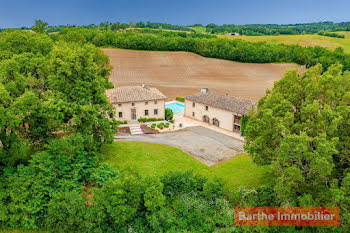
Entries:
{"x":230,"y":103}
{"x":134,"y":94}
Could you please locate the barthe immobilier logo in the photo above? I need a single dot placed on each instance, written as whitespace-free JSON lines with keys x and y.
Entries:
{"x":287,"y":216}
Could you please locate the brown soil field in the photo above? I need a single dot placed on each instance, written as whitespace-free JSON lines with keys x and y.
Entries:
{"x":183,"y":73}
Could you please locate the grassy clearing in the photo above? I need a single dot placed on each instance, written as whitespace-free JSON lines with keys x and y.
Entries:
{"x":154,"y":159}
{"x":199,"y":29}
{"x":303,"y":40}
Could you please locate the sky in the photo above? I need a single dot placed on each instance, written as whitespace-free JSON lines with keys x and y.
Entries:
{"x":19,"y":13}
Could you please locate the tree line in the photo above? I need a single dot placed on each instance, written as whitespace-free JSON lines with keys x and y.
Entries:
{"x":234,"y":50}
{"x":330,"y":34}
{"x":249,"y":29}
{"x":278,"y":29}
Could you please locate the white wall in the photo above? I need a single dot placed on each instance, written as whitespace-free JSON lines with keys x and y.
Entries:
{"x":224,"y":116}
{"x":140,"y":107}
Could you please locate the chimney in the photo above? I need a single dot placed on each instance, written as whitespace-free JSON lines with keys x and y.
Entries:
{"x":204,"y":90}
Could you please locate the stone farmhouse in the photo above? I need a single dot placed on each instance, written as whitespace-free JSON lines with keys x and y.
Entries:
{"x":217,"y":109}
{"x":134,"y":102}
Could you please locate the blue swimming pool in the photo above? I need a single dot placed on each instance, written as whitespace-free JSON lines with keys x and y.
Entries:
{"x":176,"y":107}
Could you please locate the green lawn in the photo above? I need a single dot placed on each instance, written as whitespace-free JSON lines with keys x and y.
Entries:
{"x":155,"y":159}
{"x":303,"y":40}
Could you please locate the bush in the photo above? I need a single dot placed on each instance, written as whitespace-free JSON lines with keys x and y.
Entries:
{"x":171,"y":121}
{"x":166,"y":125}
{"x":176,"y":183}
{"x":153,"y":126}
{"x":180,"y":99}
{"x":122,"y":122}
{"x":144,"y":120}
{"x":103,"y":173}
{"x":169,"y":114}
{"x":66,"y":212}
{"x":244,"y":122}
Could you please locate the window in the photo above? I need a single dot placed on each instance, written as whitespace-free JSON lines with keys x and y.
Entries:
{"x":155,"y":102}
{"x":146,"y":112}
{"x":237,"y":119}
{"x":193,"y":104}
{"x":120,"y":114}
{"x":146,"y":103}
{"x":206,"y":108}
{"x":237,"y":128}
{"x":155,"y":111}
{"x":216,"y":122}
{"x":193,"y":114}
{"x":132,"y":104}
{"x":119,"y":105}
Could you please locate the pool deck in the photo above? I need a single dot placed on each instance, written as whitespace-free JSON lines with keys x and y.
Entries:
{"x":179,"y":118}
{"x":174,"y":101}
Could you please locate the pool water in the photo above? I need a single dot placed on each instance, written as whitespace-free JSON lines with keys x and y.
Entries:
{"x":176,"y":107}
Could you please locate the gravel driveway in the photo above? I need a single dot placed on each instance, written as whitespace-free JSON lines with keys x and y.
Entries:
{"x":206,"y":145}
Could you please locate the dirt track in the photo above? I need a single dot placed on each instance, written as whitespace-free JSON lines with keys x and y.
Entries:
{"x":182,"y":73}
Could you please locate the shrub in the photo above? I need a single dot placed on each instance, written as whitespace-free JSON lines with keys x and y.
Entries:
{"x":66,"y":212}
{"x":166,"y":125}
{"x":122,"y":122}
{"x":182,"y":182}
{"x":153,"y":126}
{"x":144,"y":120}
{"x":103,"y":173}
{"x":171,"y":121}
{"x":169,"y":114}
{"x":244,"y":122}
{"x":180,"y":99}
{"x":161,"y":127}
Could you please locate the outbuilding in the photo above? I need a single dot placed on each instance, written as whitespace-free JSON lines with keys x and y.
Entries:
{"x":221,"y":110}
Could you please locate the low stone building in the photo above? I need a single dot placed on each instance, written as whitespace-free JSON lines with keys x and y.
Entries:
{"x":134,"y":102}
{"x":217,"y":109}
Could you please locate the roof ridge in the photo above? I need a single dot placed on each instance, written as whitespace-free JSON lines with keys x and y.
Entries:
{"x":134,"y":93}
{"x":223,"y":101}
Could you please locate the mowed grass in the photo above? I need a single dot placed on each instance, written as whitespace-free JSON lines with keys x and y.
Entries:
{"x":149,"y":159}
{"x":303,"y":40}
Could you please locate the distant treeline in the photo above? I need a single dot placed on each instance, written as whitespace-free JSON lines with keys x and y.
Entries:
{"x":234,"y":50}
{"x":249,"y":29}
{"x":278,"y":29}
{"x":162,"y":26}
{"x":330,"y":34}
{"x":172,"y":33}
{"x":120,"y":26}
